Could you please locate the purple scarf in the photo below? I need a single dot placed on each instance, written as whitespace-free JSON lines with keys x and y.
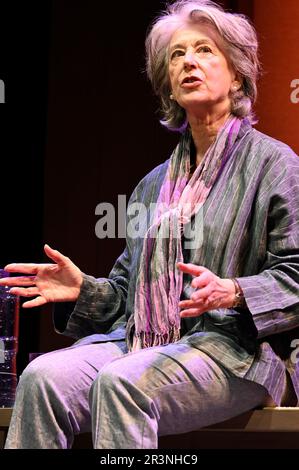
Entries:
{"x":159,"y":282}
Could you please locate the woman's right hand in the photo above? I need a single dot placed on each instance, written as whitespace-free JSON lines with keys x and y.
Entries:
{"x":56,"y":282}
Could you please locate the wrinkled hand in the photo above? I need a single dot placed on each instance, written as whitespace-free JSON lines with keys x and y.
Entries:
{"x":59,"y":282}
{"x":212,"y":291}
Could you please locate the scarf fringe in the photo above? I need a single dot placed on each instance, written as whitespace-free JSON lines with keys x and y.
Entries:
{"x":146,"y":340}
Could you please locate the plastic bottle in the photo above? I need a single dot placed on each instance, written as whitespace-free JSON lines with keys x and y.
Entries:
{"x":9,"y":332}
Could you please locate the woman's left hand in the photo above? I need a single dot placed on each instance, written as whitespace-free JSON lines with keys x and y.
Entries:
{"x":213,"y":292}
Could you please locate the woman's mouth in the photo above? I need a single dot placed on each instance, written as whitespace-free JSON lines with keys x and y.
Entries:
{"x":191,"y":82}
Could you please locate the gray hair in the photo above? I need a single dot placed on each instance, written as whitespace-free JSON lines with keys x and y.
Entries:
{"x":240,"y":46}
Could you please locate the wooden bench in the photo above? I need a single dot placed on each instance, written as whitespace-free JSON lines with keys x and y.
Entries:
{"x":5,"y":415}
{"x":266,"y":428}
{"x":263,"y":428}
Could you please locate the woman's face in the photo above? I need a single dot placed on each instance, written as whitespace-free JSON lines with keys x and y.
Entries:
{"x":200,"y":75}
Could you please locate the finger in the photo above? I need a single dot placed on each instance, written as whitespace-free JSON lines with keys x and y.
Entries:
{"x":201,"y":281}
{"x":24,"y":292}
{"x":191,"y":312}
{"x":37,"y":302}
{"x":26,"y":268}
{"x":4,"y":281}
{"x":201,"y":294}
{"x":18,"y":281}
{"x":191,"y":268}
{"x":55,"y":255}
{"x":190,"y":304}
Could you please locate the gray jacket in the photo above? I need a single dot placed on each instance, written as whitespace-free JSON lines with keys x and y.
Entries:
{"x":251,"y":232}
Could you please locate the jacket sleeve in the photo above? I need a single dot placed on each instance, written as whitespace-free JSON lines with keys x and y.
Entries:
{"x":100,"y":304}
{"x":272,"y":295}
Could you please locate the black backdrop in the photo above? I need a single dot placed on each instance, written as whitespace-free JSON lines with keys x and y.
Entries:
{"x":24,"y":45}
{"x":79,"y":127}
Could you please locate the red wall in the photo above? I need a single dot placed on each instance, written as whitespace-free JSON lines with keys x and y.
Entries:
{"x":277,"y":23}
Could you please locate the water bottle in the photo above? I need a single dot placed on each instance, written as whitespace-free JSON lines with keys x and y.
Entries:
{"x":9,"y":329}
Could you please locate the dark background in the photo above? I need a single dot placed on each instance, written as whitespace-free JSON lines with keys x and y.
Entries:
{"x":24,"y":48}
{"x":80,"y":125}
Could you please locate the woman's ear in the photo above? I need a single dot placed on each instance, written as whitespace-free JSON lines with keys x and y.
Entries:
{"x":236,"y":83}
{"x":235,"y":86}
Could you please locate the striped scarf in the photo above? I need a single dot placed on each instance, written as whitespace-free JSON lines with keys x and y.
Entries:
{"x":159,"y":284}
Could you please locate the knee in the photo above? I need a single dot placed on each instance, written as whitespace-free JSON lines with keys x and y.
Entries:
{"x":118,"y":379}
{"x":109,"y":380}
{"x":39,"y":374}
{"x":118,"y":390}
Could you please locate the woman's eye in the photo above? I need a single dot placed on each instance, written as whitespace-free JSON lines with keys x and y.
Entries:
{"x":177,"y":53}
{"x":205,"y":49}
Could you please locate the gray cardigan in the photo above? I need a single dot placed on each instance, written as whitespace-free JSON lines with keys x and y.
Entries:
{"x":251,"y":232}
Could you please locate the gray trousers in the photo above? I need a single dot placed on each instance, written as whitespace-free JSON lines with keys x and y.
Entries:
{"x":127,"y":400}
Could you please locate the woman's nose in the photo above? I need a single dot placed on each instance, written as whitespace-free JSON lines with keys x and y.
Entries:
{"x":189,"y":60}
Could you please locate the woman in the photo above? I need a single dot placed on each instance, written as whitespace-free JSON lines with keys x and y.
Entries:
{"x":179,"y":331}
